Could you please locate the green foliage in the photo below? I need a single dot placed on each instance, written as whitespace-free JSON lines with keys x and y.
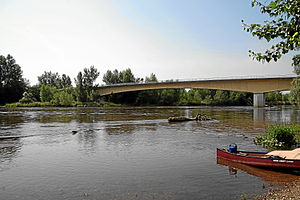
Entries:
{"x":295,"y":92}
{"x":33,"y":104}
{"x":49,"y":78}
{"x":89,"y":77}
{"x":221,"y":97}
{"x":151,"y":79}
{"x":54,"y":80}
{"x":111,"y":77}
{"x":296,"y":129}
{"x":12,"y":84}
{"x":96,"y":104}
{"x":170,"y":96}
{"x":75,"y":104}
{"x":278,"y":137}
{"x":62,"y":98}
{"x":85,"y":84}
{"x":47,"y":92}
{"x":33,"y":93}
{"x":27,"y":98}
{"x":284,"y":26}
{"x":65,"y":81}
{"x":277,"y":98}
{"x":115,"y":77}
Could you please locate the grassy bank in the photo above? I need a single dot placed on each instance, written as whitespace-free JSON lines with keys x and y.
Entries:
{"x":75,"y":104}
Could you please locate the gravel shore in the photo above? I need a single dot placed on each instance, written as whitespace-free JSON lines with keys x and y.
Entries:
{"x":291,"y":191}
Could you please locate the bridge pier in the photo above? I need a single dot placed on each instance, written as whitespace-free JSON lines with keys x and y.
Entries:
{"x":258,"y":100}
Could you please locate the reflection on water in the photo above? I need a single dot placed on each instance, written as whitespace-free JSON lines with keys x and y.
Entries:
{"x":131,"y":153}
{"x":273,"y":177}
{"x":259,"y":114}
{"x":9,"y":149}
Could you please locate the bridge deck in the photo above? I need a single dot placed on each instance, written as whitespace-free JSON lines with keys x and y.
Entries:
{"x":244,"y":84}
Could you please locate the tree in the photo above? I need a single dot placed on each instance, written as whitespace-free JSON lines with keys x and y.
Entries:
{"x":273,"y":98}
{"x":80,"y":92}
{"x":284,"y":28}
{"x":49,"y":78}
{"x":54,"y":79}
{"x":62,"y":98}
{"x":295,"y":92}
{"x":126,"y":76}
{"x":65,"y":81}
{"x":12,"y":83}
{"x":85,"y":84}
{"x":90,"y":75}
{"x":147,"y":97}
{"x":151,"y":78}
{"x":221,"y":97}
{"x":108,"y":77}
{"x":47,"y":93}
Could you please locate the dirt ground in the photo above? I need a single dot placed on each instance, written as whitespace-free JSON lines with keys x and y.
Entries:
{"x":291,"y":191}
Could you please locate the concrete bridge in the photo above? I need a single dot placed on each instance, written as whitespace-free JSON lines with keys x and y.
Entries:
{"x":258,"y":85}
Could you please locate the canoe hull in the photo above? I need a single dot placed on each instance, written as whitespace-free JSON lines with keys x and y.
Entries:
{"x":258,"y":160}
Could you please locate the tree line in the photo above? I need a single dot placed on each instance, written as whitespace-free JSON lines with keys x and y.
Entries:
{"x":54,"y":89}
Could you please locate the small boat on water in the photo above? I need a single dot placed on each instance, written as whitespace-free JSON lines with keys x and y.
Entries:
{"x":286,"y":160}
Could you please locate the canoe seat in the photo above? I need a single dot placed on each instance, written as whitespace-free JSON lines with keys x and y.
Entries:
{"x":293,"y":154}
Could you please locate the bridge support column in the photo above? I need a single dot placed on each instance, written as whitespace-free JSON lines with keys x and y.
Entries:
{"x":258,"y":100}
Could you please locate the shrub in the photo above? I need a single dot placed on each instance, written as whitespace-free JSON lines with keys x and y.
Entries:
{"x":47,"y":92}
{"x":277,"y":137}
{"x":25,"y":100}
{"x":62,"y":99}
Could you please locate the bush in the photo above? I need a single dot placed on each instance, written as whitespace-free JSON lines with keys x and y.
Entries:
{"x":277,"y":137}
{"x":62,"y":99}
{"x":47,"y":92}
{"x":25,"y":100}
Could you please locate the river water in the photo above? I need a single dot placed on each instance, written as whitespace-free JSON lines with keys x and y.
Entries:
{"x":132,"y":153}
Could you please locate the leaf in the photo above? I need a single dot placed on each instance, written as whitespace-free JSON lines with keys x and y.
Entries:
{"x":273,"y":4}
{"x":268,"y":38}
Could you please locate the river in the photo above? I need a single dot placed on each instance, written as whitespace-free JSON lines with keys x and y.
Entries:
{"x":132,"y":153}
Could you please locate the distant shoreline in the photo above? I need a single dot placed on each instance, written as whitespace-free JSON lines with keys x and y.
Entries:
{"x":76,"y":104}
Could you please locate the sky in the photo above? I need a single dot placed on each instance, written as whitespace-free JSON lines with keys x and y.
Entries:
{"x":173,"y":39}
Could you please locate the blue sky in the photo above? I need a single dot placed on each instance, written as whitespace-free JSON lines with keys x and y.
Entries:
{"x":204,"y":23}
{"x":173,"y":39}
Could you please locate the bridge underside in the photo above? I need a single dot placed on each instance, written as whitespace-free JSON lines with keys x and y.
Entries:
{"x":243,"y":85}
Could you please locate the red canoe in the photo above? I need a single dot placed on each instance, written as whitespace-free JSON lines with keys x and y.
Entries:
{"x":259,"y":159}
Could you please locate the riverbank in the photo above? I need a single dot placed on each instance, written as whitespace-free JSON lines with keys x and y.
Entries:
{"x":75,"y":104}
{"x":290,"y":191}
